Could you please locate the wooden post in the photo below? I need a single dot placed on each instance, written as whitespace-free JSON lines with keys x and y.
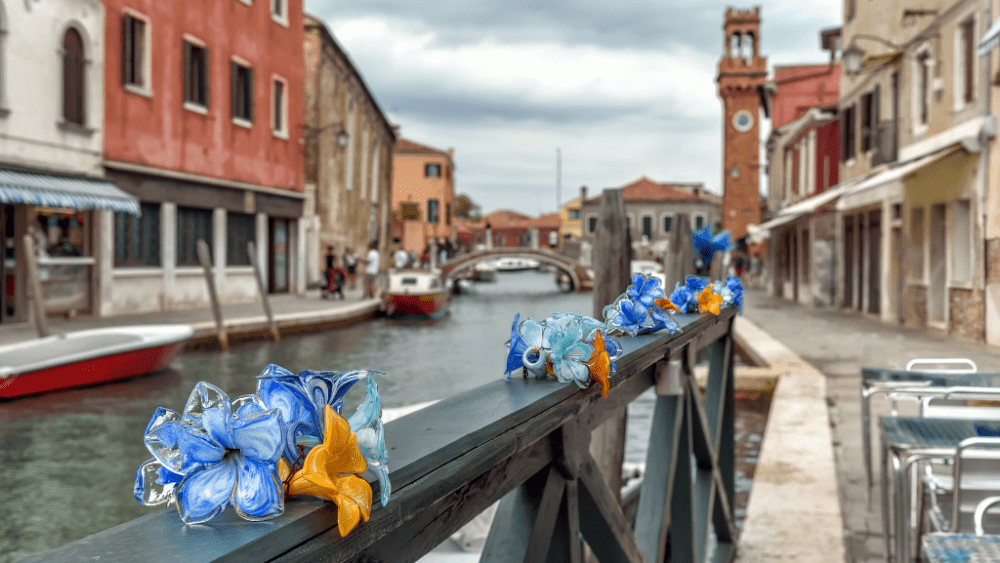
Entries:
{"x":259,"y":276}
{"x":35,"y":288}
{"x":216,"y":308}
{"x":681,"y":256}
{"x":612,"y":270}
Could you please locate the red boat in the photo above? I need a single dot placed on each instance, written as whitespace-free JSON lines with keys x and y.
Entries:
{"x":88,"y":357}
{"x":416,"y":293}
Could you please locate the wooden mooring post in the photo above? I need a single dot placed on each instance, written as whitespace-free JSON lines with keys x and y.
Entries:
{"x":206,"y":264}
{"x":259,"y":276}
{"x":35,"y":295}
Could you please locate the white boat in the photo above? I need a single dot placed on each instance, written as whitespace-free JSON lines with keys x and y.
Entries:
{"x":88,"y":357}
{"x":419,"y":293}
{"x":484,"y":272}
{"x":515,"y":264}
{"x":654,"y":269}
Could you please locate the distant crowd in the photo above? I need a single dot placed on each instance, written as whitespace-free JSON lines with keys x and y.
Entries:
{"x":343,"y":270}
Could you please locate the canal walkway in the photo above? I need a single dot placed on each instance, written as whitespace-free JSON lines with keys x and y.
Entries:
{"x":838,"y":344}
{"x":292,"y":313}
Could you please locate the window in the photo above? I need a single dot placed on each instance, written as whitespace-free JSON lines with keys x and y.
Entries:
{"x":279,"y":110}
{"x":195,"y":74}
{"x":135,"y":64}
{"x":278,"y":11}
{"x":699,"y":221}
{"x":869,"y":120}
{"x":668,"y":223}
{"x":573,"y":214}
{"x":647,"y":226}
{"x":74,"y":78}
{"x":923,"y":85}
{"x":447,"y":214}
{"x":432,"y":170}
{"x":241,"y":228}
{"x":961,"y":241}
{"x":432,"y":211}
{"x":137,"y":239}
{"x":242,"y":92}
{"x":591,"y":224}
{"x":965,"y":58}
{"x":629,"y":222}
{"x":192,"y":225}
{"x":847,"y":132}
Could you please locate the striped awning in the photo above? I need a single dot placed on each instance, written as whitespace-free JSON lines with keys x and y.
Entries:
{"x":63,"y":191}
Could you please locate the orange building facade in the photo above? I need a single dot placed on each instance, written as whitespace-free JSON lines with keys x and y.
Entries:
{"x":423,"y":195}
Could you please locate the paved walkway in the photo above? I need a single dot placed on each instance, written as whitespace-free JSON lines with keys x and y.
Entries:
{"x":244,"y":320}
{"x":838,"y":344}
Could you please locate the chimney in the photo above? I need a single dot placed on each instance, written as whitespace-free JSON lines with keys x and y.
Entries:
{"x":583,"y":193}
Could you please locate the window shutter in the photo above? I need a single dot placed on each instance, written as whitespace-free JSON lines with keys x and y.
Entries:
{"x":249,"y":94}
{"x":876,"y":103}
{"x":233,"y":70}
{"x":127,"y":49}
{"x":188,"y":86}
{"x":206,"y":82}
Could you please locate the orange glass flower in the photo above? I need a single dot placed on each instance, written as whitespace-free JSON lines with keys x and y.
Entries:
{"x":331,"y":471}
{"x":600,"y":364}
{"x":666,"y":304}
{"x":709,"y":301}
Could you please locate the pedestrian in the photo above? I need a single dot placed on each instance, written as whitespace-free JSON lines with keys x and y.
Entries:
{"x":400,"y":258}
{"x":442,"y":255}
{"x":331,"y":262}
{"x":371,"y":262}
{"x":351,"y":263}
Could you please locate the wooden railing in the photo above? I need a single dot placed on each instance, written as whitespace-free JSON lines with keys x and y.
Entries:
{"x":525,"y":442}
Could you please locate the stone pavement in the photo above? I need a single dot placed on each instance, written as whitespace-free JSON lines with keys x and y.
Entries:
{"x":242,"y":321}
{"x":838,"y":344}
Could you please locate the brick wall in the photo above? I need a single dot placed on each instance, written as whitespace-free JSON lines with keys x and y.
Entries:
{"x":966,"y":314}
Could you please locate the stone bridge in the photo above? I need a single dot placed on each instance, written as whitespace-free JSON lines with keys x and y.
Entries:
{"x":578,"y":275}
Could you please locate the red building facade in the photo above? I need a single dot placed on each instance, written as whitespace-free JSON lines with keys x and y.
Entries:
{"x":203,"y":124}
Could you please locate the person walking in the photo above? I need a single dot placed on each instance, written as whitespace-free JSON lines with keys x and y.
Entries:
{"x":371,"y":262}
{"x":401,"y":258}
{"x":331,"y":263}
{"x":351,"y":263}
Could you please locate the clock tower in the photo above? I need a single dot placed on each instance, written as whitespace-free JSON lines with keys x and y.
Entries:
{"x":742,"y":71}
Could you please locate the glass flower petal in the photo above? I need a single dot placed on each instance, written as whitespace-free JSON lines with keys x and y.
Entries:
{"x":206,"y":492}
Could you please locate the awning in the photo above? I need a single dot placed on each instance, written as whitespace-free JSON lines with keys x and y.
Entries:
{"x":853,"y":198}
{"x":62,"y":191}
{"x":802,"y":208}
{"x":990,"y":39}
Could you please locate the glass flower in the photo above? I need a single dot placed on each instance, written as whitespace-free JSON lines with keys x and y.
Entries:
{"x":629,"y":317}
{"x":516,"y":348}
{"x":535,"y":355}
{"x":600,"y":365}
{"x":568,"y":352}
{"x":301,"y":398}
{"x":706,"y":244}
{"x":331,"y":470}
{"x":644,"y":289}
{"x":733,"y":284}
{"x":222,"y":455}
{"x":684,"y":299}
{"x":695,"y":283}
{"x":709,"y":301}
{"x":366,"y":422}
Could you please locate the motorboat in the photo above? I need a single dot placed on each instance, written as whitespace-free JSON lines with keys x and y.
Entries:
{"x":515,"y":264}
{"x":484,"y":272}
{"x":415,"y":293}
{"x":88,"y":357}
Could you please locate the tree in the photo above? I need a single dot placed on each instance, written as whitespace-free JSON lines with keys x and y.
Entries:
{"x":465,"y":208}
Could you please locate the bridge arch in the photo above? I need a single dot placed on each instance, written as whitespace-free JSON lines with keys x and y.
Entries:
{"x":578,"y":276}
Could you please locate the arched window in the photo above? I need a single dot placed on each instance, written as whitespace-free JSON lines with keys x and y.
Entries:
{"x":748,"y":48}
{"x":734,"y":45}
{"x":73,"y":77}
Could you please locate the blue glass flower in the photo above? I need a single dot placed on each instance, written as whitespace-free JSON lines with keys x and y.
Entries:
{"x":223,"y":456}
{"x":536,"y":351}
{"x":685,"y":298}
{"x":695,"y":283}
{"x":300,"y":398}
{"x":366,"y":423}
{"x":517,"y":346}
{"x":629,"y":317}
{"x":644,"y":289}
{"x":733,"y":285}
{"x":569,"y":352}
{"x":706,"y":245}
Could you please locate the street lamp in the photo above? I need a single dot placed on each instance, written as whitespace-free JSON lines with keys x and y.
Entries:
{"x":854,"y":56}
{"x":342,"y":137}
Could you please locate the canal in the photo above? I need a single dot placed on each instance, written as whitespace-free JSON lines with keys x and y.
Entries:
{"x":68,"y":459}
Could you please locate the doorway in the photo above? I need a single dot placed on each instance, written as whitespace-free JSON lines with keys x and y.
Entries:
{"x":938,"y":266}
{"x":875,"y":262}
{"x":277,"y":271}
{"x":848,"y":301}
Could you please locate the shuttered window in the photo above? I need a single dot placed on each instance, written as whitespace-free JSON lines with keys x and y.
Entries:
{"x":137,"y":239}
{"x":279,"y":110}
{"x":134,"y":51}
{"x":241,"y":78}
{"x":195,"y":74}
{"x":241,"y":228}
{"x":73,"y":78}
{"x":192,"y":225}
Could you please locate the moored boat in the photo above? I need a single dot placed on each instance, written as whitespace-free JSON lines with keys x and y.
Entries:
{"x":515,"y":264}
{"x":484,"y":272}
{"x":88,"y":357}
{"x":415,"y":293}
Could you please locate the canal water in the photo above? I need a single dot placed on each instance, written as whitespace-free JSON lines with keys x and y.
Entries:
{"x":68,"y":459}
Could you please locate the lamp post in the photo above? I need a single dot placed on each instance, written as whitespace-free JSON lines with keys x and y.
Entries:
{"x":854,"y":56}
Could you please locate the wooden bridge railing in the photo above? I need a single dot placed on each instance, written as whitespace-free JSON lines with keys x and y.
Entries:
{"x":525,"y":442}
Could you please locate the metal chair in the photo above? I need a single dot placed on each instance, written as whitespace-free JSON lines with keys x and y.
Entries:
{"x":958,"y":502}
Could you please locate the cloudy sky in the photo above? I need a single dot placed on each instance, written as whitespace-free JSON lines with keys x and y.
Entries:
{"x":623,"y":88}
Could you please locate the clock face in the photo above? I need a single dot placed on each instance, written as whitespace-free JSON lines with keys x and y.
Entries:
{"x":742,"y":120}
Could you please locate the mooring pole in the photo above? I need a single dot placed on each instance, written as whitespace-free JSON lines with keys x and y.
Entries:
{"x":35,"y":288}
{"x":612,"y":271}
{"x":212,"y":295}
{"x":259,"y":276}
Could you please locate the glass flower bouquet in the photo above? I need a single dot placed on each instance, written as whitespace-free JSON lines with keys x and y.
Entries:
{"x":289,"y":438}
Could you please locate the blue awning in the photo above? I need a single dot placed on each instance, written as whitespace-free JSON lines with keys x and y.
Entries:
{"x":63,"y":191}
